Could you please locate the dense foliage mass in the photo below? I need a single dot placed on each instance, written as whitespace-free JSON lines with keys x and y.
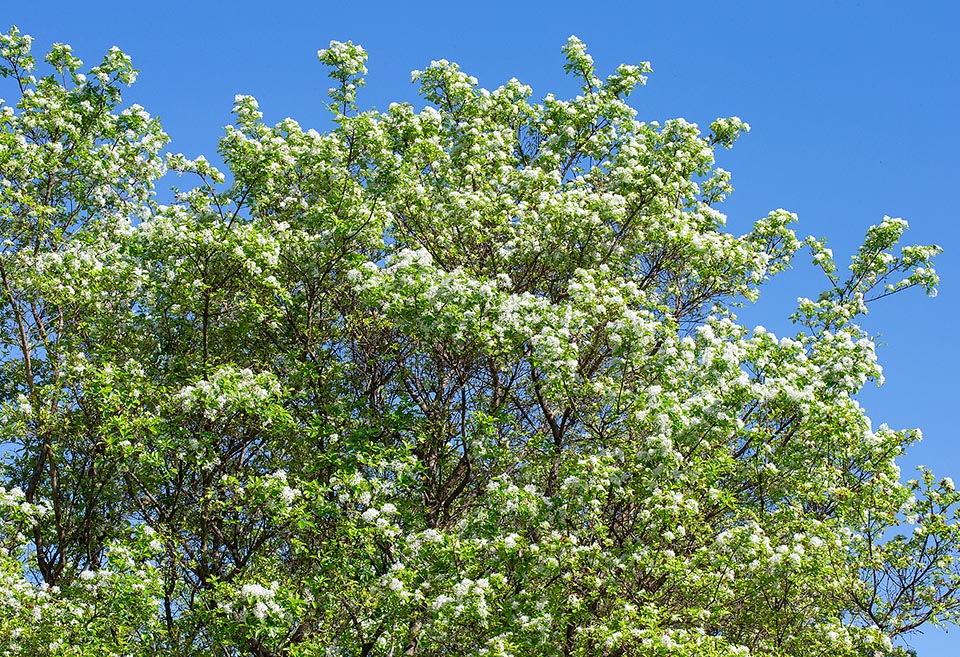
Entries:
{"x":463,"y":380}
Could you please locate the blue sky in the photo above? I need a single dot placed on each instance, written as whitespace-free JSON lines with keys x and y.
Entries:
{"x":853,"y":107}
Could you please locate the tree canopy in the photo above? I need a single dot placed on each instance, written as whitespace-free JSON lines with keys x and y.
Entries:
{"x":466,"y":379}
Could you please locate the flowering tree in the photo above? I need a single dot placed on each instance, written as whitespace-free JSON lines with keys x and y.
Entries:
{"x":463,"y":380}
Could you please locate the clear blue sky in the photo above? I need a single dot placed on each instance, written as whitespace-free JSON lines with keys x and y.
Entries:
{"x":853,"y":107}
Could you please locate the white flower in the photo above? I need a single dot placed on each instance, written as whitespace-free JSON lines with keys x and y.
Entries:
{"x":288,"y":494}
{"x":257,"y":591}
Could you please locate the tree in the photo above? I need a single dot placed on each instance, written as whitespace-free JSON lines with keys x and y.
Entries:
{"x":463,"y":380}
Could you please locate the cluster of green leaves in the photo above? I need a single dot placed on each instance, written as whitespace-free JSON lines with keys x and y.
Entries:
{"x":462,"y":380}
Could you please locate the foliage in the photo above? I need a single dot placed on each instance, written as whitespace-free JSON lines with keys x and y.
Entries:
{"x":462,"y":380}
